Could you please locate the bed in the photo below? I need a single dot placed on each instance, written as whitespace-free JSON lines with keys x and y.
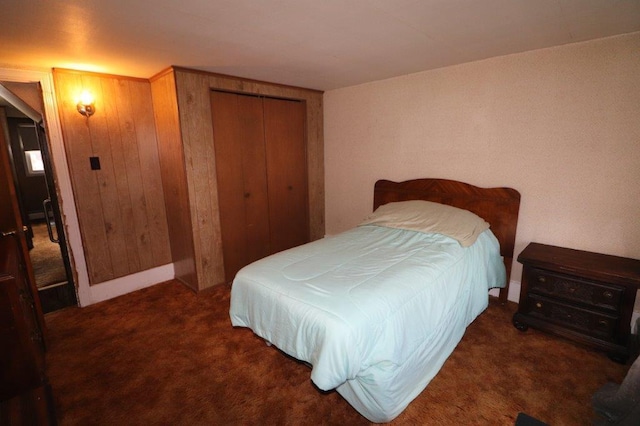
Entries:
{"x":376,"y":310}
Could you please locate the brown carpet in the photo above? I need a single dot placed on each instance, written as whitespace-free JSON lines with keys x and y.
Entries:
{"x":165,"y":355}
{"x":46,"y":258}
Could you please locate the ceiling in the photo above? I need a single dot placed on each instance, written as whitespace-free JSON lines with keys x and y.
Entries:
{"x":319,"y":44}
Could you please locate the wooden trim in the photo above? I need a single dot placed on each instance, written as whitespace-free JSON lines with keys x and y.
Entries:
{"x":100,"y":75}
{"x":163,"y":73}
{"x":194,"y":110}
{"x":174,"y":179}
{"x":248,"y":80}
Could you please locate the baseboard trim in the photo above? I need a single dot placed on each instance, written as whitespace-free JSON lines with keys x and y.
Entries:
{"x":120,"y":286}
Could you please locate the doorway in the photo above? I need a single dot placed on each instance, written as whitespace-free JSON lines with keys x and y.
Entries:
{"x":32,"y":172}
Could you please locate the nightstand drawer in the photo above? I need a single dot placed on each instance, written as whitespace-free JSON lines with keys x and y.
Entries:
{"x":574,"y":289}
{"x":583,"y":296}
{"x":592,"y":323}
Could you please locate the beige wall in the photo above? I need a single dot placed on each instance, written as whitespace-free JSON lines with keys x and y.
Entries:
{"x":560,"y":125}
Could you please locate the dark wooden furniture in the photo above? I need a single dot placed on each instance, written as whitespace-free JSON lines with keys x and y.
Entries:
{"x":33,"y":407}
{"x":587,"y":297}
{"x":498,"y":206}
{"x":25,"y":396}
{"x":22,"y":343}
{"x":22,"y":356}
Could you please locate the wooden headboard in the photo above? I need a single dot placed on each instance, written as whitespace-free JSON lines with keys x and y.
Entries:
{"x":498,"y":206}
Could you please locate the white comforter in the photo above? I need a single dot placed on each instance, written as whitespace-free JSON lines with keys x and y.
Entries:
{"x":376,"y":311}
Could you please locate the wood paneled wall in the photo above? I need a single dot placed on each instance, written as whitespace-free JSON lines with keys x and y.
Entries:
{"x":185,"y":134}
{"x":174,"y":179}
{"x":121,"y":208}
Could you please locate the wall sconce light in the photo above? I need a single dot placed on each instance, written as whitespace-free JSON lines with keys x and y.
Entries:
{"x":85,"y":104}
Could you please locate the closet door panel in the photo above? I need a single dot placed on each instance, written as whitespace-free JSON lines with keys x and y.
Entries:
{"x":284,"y":123}
{"x":230,"y":187}
{"x":254,"y":172}
{"x":238,"y":140}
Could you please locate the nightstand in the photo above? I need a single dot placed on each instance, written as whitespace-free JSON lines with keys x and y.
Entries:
{"x":583,"y":296}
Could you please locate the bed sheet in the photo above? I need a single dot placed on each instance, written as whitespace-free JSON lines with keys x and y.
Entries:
{"x":375,"y":311}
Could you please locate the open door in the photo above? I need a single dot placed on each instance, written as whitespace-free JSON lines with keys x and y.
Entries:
{"x":33,"y":179}
{"x":21,"y":318}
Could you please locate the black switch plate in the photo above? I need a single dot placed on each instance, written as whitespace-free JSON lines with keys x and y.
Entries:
{"x":95,"y":163}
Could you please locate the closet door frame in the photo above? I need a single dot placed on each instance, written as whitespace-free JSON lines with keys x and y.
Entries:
{"x":198,"y":254}
{"x":261,"y":170}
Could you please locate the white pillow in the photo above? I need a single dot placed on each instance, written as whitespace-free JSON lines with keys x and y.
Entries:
{"x":430,"y":217}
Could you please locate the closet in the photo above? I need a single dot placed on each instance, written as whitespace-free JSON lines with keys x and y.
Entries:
{"x":230,"y":201}
{"x":261,"y":170}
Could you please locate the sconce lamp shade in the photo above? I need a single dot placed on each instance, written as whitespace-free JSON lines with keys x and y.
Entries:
{"x":85,"y":104}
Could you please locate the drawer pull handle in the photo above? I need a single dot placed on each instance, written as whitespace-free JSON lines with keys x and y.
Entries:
{"x":572,"y":290}
{"x":538,"y":305}
{"x":603,"y":323}
{"x":542,"y":279}
{"x":607,"y":294}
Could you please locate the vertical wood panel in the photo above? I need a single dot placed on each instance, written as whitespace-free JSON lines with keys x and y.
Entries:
{"x":113,"y":203}
{"x":174,"y":178}
{"x":127,"y":109}
{"x":151,"y":176}
{"x":101,"y":146}
{"x":77,"y":141}
{"x":119,"y":140}
{"x":197,"y":136}
{"x":315,"y":165}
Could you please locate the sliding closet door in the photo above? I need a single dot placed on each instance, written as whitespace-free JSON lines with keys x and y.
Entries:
{"x":238,"y":132}
{"x":284,"y":123}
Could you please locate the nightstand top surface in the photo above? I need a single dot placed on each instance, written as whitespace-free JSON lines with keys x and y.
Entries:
{"x":594,"y":265}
